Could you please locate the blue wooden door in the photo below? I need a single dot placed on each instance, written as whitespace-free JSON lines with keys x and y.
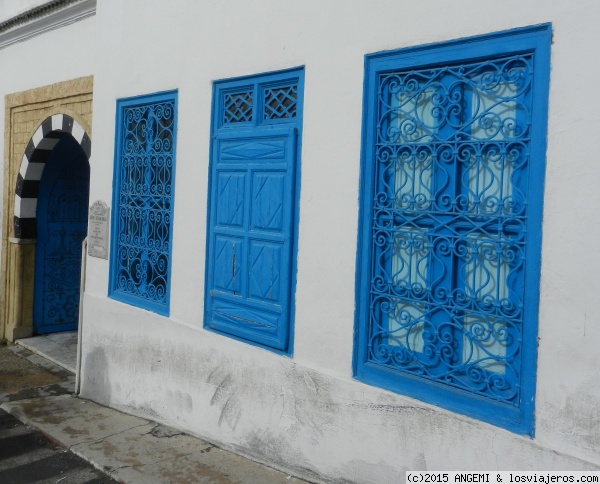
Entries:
{"x":251,"y":235}
{"x":61,"y":227}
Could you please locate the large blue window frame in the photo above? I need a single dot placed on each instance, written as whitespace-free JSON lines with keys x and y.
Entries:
{"x":143,"y":196}
{"x":449,"y":245}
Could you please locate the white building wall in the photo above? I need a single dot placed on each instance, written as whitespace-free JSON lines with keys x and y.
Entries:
{"x":54,"y":56}
{"x":306,"y":413}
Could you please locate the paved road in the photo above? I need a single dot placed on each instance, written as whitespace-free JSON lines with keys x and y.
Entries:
{"x":128,"y":448}
{"x":26,"y":456}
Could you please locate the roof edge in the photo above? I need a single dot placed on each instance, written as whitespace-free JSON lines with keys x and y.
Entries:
{"x":43,"y":18}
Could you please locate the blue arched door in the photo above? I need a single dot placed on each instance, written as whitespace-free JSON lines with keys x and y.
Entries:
{"x":61,"y":227}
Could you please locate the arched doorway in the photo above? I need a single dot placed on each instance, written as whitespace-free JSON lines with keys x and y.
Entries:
{"x":61,"y":222}
{"x":52,"y":184}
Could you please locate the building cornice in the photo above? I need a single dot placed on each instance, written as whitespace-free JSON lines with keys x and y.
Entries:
{"x":43,"y":18}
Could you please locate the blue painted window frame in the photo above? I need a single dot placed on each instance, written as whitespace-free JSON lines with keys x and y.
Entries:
{"x":533,"y":40}
{"x":258,"y":127}
{"x":145,"y":301}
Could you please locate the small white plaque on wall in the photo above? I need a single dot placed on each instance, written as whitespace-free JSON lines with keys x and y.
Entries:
{"x":98,"y":230}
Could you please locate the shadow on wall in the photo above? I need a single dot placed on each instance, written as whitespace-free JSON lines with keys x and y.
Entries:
{"x":96,"y":381}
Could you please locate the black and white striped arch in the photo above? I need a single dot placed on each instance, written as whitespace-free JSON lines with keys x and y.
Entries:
{"x":41,"y":144}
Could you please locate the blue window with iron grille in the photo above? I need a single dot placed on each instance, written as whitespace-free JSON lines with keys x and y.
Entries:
{"x":142,"y":218}
{"x":253,"y":209}
{"x":450,"y":228}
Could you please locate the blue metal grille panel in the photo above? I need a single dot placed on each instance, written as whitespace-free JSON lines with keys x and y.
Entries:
{"x":145,"y":172}
{"x":238,"y":107}
{"x":280,"y":102}
{"x":62,"y":225}
{"x":65,"y":229}
{"x":449,"y":224}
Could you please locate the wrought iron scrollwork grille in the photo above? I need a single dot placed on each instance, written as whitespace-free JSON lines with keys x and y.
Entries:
{"x":145,"y":171}
{"x":452,"y":175}
{"x":449,"y":218}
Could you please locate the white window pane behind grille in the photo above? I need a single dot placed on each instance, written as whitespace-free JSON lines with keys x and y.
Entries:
{"x":485,"y":341}
{"x":489,"y":183}
{"x":494,"y":122}
{"x":411,"y":116}
{"x":409,"y":273}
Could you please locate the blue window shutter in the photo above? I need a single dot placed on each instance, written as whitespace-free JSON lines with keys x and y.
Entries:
{"x":253,"y":209}
{"x":251,"y":235}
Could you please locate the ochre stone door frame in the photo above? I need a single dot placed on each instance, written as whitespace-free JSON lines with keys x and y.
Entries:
{"x":30,"y":118}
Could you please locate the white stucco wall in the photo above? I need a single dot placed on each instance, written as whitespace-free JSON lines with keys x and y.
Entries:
{"x":53,"y":56}
{"x":306,"y":413}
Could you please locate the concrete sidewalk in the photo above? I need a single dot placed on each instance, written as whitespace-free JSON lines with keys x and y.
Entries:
{"x":129,"y":449}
